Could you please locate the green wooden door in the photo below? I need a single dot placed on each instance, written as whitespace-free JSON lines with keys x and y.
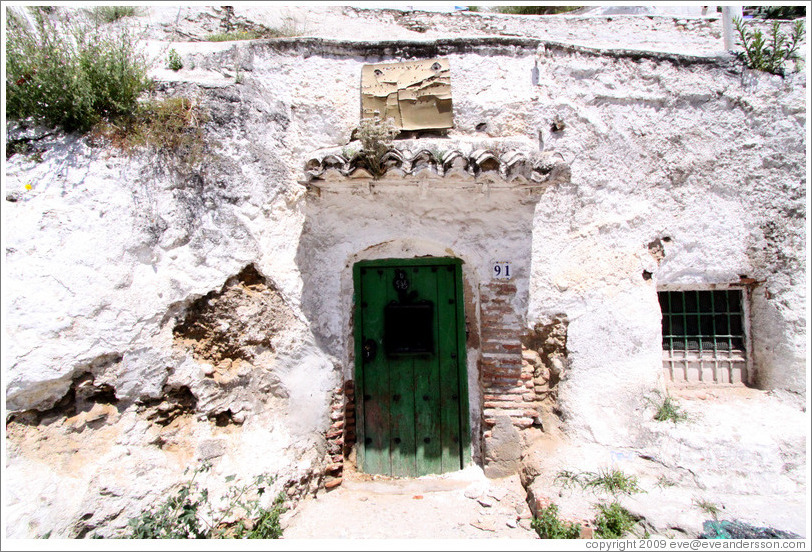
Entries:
{"x":410,"y":366}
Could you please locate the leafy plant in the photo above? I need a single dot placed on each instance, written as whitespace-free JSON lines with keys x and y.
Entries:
{"x":376,"y":137}
{"x":188,"y":513}
{"x":66,"y":74}
{"x":549,"y":526}
{"x":613,"y":521}
{"x":608,"y":480}
{"x":668,"y":410}
{"x":173,"y":60}
{"x":770,"y":53}
{"x":177,"y":517}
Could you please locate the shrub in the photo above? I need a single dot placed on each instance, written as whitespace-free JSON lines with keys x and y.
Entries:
{"x":171,"y":127}
{"x":173,"y":60}
{"x":68,"y":75}
{"x":770,"y":53}
{"x":548,"y":526}
{"x":613,"y":521}
{"x":188,"y":513}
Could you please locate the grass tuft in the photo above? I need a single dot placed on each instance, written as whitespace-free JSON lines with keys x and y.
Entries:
{"x":668,"y":410}
{"x":607,"y":480}
{"x":710,"y":508}
{"x":109,"y":14}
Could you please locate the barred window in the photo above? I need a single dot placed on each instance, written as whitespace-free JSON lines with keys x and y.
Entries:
{"x":704,"y":336}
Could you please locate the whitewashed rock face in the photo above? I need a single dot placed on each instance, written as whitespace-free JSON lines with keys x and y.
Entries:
{"x":106,"y":256}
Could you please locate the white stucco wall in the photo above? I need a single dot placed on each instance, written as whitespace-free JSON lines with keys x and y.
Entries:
{"x":104,"y":249}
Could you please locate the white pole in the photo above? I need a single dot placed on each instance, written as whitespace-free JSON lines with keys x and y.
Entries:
{"x":728,"y":13}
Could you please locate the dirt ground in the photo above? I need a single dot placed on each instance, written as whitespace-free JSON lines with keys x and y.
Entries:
{"x":461,"y":505}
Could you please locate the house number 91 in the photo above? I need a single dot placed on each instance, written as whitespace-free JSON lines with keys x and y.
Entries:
{"x":501,"y":270}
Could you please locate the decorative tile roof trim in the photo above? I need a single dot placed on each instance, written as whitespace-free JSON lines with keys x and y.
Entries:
{"x":511,"y":167}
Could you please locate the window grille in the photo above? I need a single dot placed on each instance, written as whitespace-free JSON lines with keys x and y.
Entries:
{"x":704,"y":336}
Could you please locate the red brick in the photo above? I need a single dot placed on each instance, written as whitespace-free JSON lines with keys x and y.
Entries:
{"x":511,"y":381}
{"x":332,"y":482}
{"x":511,"y":405}
{"x":500,"y":309}
{"x":491,"y":333}
{"x":503,"y":389}
{"x":515,"y":413}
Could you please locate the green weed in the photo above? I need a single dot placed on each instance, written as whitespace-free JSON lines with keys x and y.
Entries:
{"x":708,"y":507}
{"x":668,"y":410}
{"x":607,"y":480}
{"x":549,"y":526}
{"x":108,"y":14}
{"x":173,"y":60}
{"x":188,"y":513}
{"x":772,"y":52}
{"x":612,"y":521}
{"x":233,"y":35}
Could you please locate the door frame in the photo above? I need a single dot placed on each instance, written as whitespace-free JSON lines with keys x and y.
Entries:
{"x":462,"y":364}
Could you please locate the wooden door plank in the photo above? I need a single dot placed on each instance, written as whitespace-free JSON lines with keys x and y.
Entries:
{"x":402,"y":444}
{"x":427,"y":385}
{"x":376,"y":375}
{"x":401,"y":374}
{"x":358,"y":318}
{"x":449,"y":372}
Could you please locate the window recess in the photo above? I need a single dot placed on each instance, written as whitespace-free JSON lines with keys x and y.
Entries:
{"x":704,"y":335}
